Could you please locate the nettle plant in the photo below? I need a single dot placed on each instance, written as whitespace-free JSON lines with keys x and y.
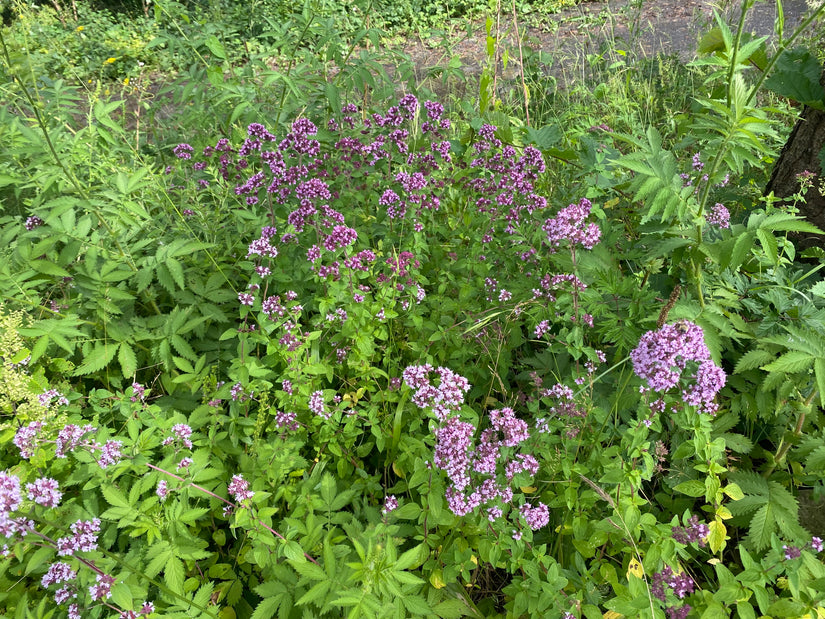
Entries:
{"x":448,"y":396}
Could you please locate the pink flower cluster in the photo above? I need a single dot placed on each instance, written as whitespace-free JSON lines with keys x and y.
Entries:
{"x":444,"y":399}
{"x":662,"y":360}
{"x":569,"y":224}
{"x":69,"y":438}
{"x":239,"y":489}
{"x":480,"y":476}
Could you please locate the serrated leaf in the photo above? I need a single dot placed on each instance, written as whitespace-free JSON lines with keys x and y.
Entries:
{"x":114,"y":497}
{"x":737,"y":442}
{"x":416,"y":605}
{"x":101,"y":355}
{"x":796,"y":76}
{"x":793,"y":361}
{"x":173,"y":574}
{"x":315,"y":593}
{"x":450,"y":609}
{"x":819,"y":374}
{"x":753,"y":359}
{"x":815,"y":462}
{"x":293,"y":550}
{"x":762,"y":526}
{"x":267,"y":608}
{"x":127,"y":359}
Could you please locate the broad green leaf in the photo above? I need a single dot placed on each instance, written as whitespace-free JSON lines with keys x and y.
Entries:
{"x":796,"y":76}
{"x":693,"y":487}
{"x":173,"y":574}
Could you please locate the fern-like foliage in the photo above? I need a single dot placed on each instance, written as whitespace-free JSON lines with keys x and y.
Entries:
{"x":771,"y":507}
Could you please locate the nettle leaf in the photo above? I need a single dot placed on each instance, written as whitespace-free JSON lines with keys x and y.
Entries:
{"x":101,"y":355}
{"x":797,"y":77}
{"x":173,"y":574}
{"x":737,"y":442}
{"x":127,"y":359}
{"x":815,"y":462}
{"x":793,"y":361}
{"x":752,"y":360}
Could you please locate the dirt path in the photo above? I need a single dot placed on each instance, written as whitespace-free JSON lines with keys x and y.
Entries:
{"x":642,"y":28}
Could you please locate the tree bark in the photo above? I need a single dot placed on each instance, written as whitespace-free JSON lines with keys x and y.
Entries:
{"x":801,"y":153}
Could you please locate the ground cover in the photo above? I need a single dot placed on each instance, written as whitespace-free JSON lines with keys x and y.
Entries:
{"x":308,"y":331}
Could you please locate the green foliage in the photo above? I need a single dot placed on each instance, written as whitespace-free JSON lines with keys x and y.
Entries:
{"x":266,"y":421}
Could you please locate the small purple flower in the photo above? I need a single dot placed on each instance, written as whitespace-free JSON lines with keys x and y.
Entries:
{"x":791,"y":552}
{"x":162,"y":490}
{"x":184,"y":463}
{"x":317,"y":406}
{"x":110,"y":454}
{"x":246,"y":299}
{"x":183,"y":151}
{"x":180,"y":433}
{"x":26,"y":439}
{"x":70,"y":437}
{"x":239,"y":489}
{"x":57,"y":573}
{"x":718,"y":216}
{"x":535,"y":517}
{"x":817,"y":544}
{"x":139,"y":392}
{"x":390,"y":504}
{"x":103,"y":588}
{"x":33,"y":222}
{"x":9,"y":493}
{"x":44,"y":491}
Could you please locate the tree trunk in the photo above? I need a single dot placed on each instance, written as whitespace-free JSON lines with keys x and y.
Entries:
{"x":801,"y":153}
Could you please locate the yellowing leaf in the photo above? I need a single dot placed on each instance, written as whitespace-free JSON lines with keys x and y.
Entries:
{"x":723,"y":513}
{"x":437,"y":579}
{"x":612,"y":614}
{"x":528,"y":489}
{"x":717,"y":536}
{"x":473,"y":559}
{"x":397,"y":470}
{"x":635,"y":568}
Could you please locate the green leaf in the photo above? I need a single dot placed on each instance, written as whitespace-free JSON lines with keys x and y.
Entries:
{"x":815,"y":462}
{"x":293,"y":550}
{"x":99,"y":358}
{"x":114,"y":497}
{"x":796,"y":76}
{"x":753,"y":359}
{"x":451,"y":609}
{"x":126,"y":358}
{"x":819,"y":373}
{"x":48,"y":268}
{"x":173,"y":574}
{"x":315,"y":593}
{"x":415,"y":604}
{"x":693,"y":487}
{"x":215,"y":47}
{"x":793,"y":361}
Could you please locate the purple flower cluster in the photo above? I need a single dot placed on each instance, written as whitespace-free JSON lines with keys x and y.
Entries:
{"x":83,"y":538}
{"x":475,"y":473}
{"x":662,"y":357}
{"x":239,"y":489}
{"x":181,"y":433}
{"x":390,"y":504}
{"x":681,"y":584}
{"x":719,"y":216}
{"x":44,"y":491}
{"x":693,"y":532}
{"x":47,"y":396}
{"x":446,"y":398}
{"x":569,"y":224}
{"x":33,"y":222}
{"x":316,"y":405}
